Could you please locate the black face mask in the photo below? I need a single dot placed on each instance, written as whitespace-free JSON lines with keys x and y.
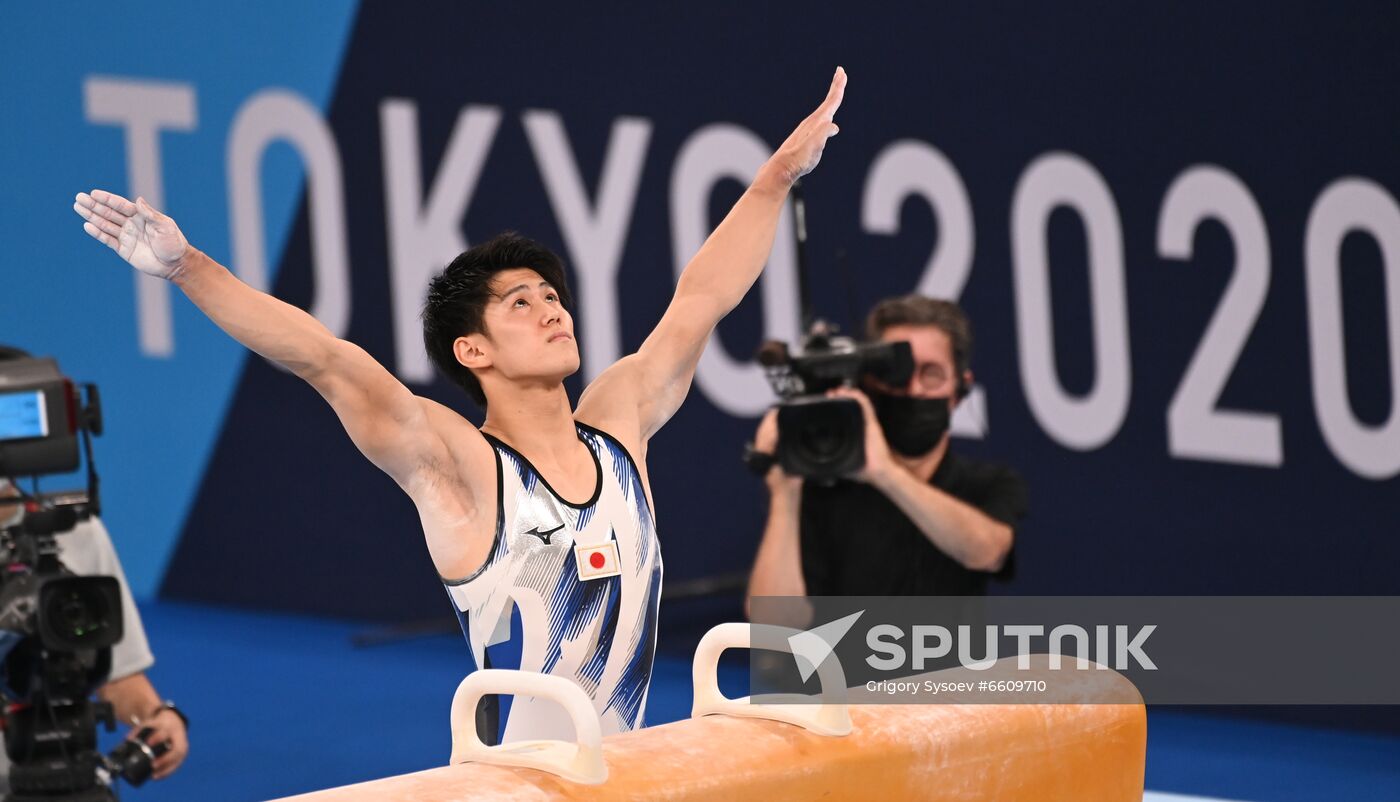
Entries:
{"x":912,"y":426}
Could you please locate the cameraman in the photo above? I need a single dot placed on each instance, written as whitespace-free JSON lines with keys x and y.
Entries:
{"x":87,"y":551}
{"x":917,"y":519}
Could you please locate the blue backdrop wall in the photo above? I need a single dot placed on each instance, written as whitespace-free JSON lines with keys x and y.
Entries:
{"x":1175,"y":228}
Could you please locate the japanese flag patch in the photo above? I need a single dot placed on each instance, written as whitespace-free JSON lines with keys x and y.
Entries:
{"x":598,"y":561}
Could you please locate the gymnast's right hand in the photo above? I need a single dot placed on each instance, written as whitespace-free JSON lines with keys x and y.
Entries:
{"x":149,"y":240}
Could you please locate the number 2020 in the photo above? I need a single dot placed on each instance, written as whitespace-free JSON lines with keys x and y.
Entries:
{"x":1197,"y":427}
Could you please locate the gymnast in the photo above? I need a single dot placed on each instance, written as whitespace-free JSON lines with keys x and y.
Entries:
{"x":543,"y":515}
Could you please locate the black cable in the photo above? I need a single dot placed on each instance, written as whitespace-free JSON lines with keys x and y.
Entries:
{"x":804,"y":290}
{"x":843,"y":264}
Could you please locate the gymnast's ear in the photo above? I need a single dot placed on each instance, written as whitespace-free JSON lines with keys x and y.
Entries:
{"x":473,"y":351}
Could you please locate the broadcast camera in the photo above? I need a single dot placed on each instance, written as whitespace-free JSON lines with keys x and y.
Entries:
{"x":819,"y":437}
{"x":56,"y":629}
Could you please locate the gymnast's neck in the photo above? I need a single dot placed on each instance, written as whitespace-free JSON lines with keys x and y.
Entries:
{"x":533,"y":418}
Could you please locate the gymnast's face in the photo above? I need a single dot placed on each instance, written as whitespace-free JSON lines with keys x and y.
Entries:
{"x":529,"y":334}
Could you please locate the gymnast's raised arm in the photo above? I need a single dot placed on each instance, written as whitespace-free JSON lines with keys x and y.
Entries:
{"x":641,"y":392}
{"x":390,"y":425}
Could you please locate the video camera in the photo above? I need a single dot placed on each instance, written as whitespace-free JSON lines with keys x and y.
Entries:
{"x":819,"y":437}
{"x":56,"y":629}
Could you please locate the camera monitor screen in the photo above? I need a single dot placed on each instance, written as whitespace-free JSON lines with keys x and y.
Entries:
{"x":23,"y":415}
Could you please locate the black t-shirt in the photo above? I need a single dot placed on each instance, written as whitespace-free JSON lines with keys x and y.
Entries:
{"x":856,"y":542}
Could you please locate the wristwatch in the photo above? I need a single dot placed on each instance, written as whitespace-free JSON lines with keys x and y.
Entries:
{"x":758,"y":462}
{"x":169,"y":705}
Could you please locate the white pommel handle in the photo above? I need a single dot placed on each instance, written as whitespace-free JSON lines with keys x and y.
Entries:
{"x":830,"y":717}
{"x":581,"y":762}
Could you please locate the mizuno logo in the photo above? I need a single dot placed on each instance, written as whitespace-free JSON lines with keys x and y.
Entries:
{"x":543,"y":536}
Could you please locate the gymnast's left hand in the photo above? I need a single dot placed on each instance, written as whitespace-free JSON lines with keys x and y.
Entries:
{"x":800,"y":152}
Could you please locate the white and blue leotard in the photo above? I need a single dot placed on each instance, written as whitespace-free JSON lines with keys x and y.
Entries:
{"x":526,"y":608}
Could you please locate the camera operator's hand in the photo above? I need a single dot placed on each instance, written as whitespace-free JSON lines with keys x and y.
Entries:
{"x":149,"y":240}
{"x":7,"y":510}
{"x":800,"y":152}
{"x":878,"y":459}
{"x":765,"y":441}
{"x":168,"y":728}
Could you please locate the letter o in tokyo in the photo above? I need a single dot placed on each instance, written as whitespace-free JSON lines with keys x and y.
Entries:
{"x":712,"y":154}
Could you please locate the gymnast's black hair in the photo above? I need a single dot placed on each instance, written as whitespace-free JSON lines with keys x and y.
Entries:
{"x":457,"y":298}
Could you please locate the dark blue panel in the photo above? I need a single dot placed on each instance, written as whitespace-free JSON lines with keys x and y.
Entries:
{"x":1288,"y":98}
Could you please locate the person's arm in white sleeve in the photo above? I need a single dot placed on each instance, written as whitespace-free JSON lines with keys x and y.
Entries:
{"x":88,"y":550}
